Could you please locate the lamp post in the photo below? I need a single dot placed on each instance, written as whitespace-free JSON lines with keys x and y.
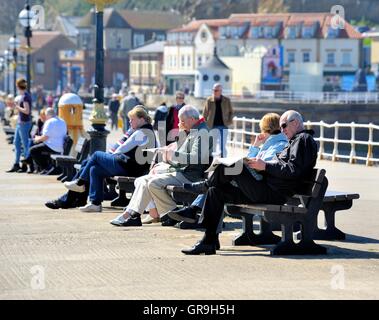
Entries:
{"x":2,"y":68}
{"x":98,"y":117}
{"x":14,"y":44}
{"x":27,"y":19}
{"x":8,"y":58}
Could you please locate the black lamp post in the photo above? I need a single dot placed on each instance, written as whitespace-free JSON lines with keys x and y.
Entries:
{"x":14,"y":44}
{"x":27,"y":19}
{"x":8,"y":58}
{"x":98,"y":117}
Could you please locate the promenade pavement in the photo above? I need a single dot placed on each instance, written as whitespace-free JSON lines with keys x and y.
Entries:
{"x":66,"y":254}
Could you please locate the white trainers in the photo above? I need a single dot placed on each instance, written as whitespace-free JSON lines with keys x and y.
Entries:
{"x":118,"y":221}
{"x":149,"y":219}
{"x":73,"y":186}
{"x":91,"y":208}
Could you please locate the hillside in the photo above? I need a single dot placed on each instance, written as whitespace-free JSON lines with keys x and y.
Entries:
{"x":355,"y":9}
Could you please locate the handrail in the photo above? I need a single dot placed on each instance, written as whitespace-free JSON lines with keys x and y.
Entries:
{"x":239,"y":134}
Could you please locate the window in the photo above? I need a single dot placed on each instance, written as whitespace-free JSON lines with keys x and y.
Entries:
{"x":227,"y":78}
{"x":199,"y":61}
{"x":216,"y":78}
{"x":291,"y":32}
{"x":189,"y":61}
{"x":268,"y":32}
{"x":291,"y":57}
{"x":205,"y":77}
{"x":306,"y":56}
{"x":40,"y":67}
{"x":174,"y":61}
{"x":138,"y":40}
{"x":182,"y":61}
{"x":346,"y":58}
{"x":332,"y":33}
{"x":308,"y":32}
{"x":330,"y":58}
{"x":160,"y":37}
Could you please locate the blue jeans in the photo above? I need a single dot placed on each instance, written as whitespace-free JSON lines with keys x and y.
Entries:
{"x":21,"y":140}
{"x":222,"y":139}
{"x":101,"y":165}
{"x":199,"y":201}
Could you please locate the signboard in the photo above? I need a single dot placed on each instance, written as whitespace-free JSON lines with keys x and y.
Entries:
{"x":272,"y":65}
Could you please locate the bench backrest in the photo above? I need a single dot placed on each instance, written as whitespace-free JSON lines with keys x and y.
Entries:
{"x":67,"y":145}
{"x":82,"y":149}
{"x":312,"y":188}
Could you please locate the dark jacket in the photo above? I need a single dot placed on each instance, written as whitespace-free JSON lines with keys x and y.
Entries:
{"x":170,"y":120}
{"x":210,"y":111}
{"x":293,"y":165}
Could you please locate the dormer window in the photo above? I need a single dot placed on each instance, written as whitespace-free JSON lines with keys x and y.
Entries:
{"x":235,"y":32}
{"x":332,"y":33}
{"x":308,"y":32}
{"x":268,"y":32}
{"x":257,"y":32}
{"x":292,"y":32}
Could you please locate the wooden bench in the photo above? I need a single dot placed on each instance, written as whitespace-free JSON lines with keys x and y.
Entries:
{"x":298,"y":214}
{"x":67,"y":162}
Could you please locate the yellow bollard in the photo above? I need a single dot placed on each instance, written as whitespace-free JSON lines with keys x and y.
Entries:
{"x":70,"y":109}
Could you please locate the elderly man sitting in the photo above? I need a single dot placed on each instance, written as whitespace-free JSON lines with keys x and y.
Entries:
{"x":50,"y":142}
{"x":185,"y":165}
{"x":281,"y":176}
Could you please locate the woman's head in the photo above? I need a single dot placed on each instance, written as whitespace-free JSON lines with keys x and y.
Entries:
{"x":42,"y":115}
{"x":21,"y":84}
{"x":270,"y":123}
{"x":138,"y":117}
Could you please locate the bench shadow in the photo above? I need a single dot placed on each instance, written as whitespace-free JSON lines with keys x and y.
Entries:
{"x":351,"y":238}
{"x":333,"y":253}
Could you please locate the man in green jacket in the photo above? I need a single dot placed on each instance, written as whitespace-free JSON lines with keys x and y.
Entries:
{"x":218,"y":113}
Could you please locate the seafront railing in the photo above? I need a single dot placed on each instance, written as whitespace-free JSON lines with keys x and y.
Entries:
{"x":244,"y":129}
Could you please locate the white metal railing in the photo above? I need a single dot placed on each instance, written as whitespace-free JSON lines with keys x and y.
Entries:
{"x":306,"y":97}
{"x":239,"y":134}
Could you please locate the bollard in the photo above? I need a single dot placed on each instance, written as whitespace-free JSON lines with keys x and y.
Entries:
{"x":70,"y":109}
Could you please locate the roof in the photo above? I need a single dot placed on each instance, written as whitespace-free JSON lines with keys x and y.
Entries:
{"x":67,"y":25}
{"x":152,"y":20}
{"x":153,"y":47}
{"x":194,"y":25}
{"x":42,"y":38}
{"x":112,"y":19}
{"x":215,"y":63}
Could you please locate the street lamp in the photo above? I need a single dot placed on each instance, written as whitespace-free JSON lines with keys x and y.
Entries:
{"x":98,"y":117}
{"x":14,"y":43}
{"x":28,"y":20}
{"x":8,"y":59}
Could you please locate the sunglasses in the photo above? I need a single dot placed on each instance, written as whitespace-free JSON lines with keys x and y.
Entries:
{"x":180,"y":98}
{"x":285,"y":124}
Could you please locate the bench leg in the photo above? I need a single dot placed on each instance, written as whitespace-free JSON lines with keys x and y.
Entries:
{"x":331,"y":232}
{"x":305,"y":247}
{"x":121,"y":200}
{"x":249,"y":238}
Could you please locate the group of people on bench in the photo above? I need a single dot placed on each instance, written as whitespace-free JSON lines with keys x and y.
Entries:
{"x":47,"y":139}
{"x":281,"y":156}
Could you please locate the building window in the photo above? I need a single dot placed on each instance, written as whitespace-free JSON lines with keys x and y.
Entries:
{"x":330,"y":58}
{"x":291,"y":57}
{"x":174,"y":61}
{"x":205,"y":77}
{"x":182,"y":61}
{"x":332,"y":33}
{"x":346,"y":58}
{"x":227,"y":78}
{"x":268,"y":32}
{"x":291,"y":32}
{"x":308,"y":32}
{"x":199,"y":61}
{"x":40,"y":67}
{"x":189,"y":61}
{"x":216,"y":78}
{"x":306,"y":56}
{"x":138,"y":40}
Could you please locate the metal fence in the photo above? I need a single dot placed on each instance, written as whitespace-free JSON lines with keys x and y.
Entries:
{"x":244,"y":129}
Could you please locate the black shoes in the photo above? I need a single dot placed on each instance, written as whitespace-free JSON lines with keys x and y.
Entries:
{"x":132,"y":221}
{"x":201,"y":248}
{"x":169,"y":222}
{"x":15,"y":168}
{"x":186,"y":214}
{"x":54,"y":204}
{"x":196,"y":187}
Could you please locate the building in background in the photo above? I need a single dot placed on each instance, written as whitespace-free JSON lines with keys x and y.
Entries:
{"x":146,"y":64}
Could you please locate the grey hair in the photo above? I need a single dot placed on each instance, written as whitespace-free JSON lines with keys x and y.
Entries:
{"x":216,"y":85}
{"x":50,"y":112}
{"x":294,"y":115}
{"x":189,"y":111}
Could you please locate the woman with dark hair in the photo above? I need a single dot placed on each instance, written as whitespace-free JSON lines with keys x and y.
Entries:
{"x":24,"y":125}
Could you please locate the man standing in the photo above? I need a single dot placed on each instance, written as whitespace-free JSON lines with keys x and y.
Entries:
{"x":172,"y":119}
{"x":114,"y":105}
{"x":51,"y":141}
{"x":128,"y":103}
{"x":281,"y":177}
{"x":218,"y":113}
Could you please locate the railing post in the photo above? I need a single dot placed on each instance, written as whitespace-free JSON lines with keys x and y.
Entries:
{"x":370,"y":146}
{"x":243,"y":138}
{"x":352,"y":151}
{"x":335,"y":145}
{"x":235,"y":132}
{"x":322,"y":147}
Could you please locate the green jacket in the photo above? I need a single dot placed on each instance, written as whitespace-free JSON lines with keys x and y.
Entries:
{"x":194,"y":155}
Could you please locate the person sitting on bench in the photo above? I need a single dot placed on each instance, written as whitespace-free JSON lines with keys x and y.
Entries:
{"x":281,"y":176}
{"x":264,"y":146}
{"x":50,"y":142}
{"x":127,"y":160}
{"x":186,"y":164}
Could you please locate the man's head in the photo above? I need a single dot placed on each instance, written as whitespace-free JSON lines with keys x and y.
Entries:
{"x":50,"y":113}
{"x":179,"y":97}
{"x":217,"y":90}
{"x":188,"y":116}
{"x":291,"y":122}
